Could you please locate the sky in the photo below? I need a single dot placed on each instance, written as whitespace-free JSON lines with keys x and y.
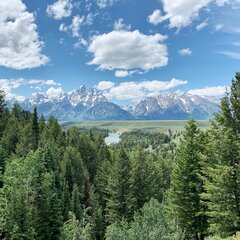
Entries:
{"x":129,"y":49}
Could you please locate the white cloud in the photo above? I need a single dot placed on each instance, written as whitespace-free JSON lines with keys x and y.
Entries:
{"x":89,"y":19}
{"x":54,"y":92}
{"x":104,"y":85}
{"x":181,"y":13}
{"x":202,"y":25}
{"x":124,"y":73}
{"x":8,"y":85}
{"x":81,"y":42}
{"x":60,"y":9}
{"x":209,"y":91}
{"x":234,"y":55}
{"x":119,"y":25}
{"x":42,"y":82}
{"x":121,"y":73}
{"x":185,"y":52}
{"x":136,"y":91}
{"x":221,"y":3}
{"x":218,"y":27}
{"x":106,"y":3}
{"x":20,"y":98}
{"x":75,"y":26}
{"x":20,"y":47}
{"x":156,"y":17}
{"x":125,"y":50}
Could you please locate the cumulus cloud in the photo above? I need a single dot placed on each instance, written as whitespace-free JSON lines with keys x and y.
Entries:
{"x":156,"y":17}
{"x":209,"y":91}
{"x":54,"y":92}
{"x":60,"y":9}
{"x":104,"y":85}
{"x":185,"y":52}
{"x":74,"y":27}
{"x":8,"y":85}
{"x":202,"y":25}
{"x":136,"y":91}
{"x":20,"y":47}
{"x":119,"y":25}
{"x":181,"y":13}
{"x":126,"y":50}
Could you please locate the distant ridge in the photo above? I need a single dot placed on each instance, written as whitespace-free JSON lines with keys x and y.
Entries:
{"x":174,"y":106}
{"x":90,"y":104}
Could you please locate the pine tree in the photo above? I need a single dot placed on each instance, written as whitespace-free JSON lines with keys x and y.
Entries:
{"x":42,"y":124}
{"x":35,"y":129}
{"x":187,"y":185}
{"x":71,"y":229}
{"x":76,"y":202}
{"x":25,"y":143}
{"x":223,"y":166}
{"x":31,"y":206}
{"x":144,"y":179}
{"x":2,"y":101}
{"x":118,"y":187}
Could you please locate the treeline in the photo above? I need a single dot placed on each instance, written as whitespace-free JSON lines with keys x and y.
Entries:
{"x":67,"y":184}
{"x":147,"y":139}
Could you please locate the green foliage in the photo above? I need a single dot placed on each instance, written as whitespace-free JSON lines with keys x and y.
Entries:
{"x":234,"y":237}
{"x":144,"y":139}
{"x":71,"y":229}
{"x":35,"y":129}
{"x":145,"y":179}
{"x":119,"y":202}
{"x":30,"y":200}
{"x":223,"y":166}
{"x":187,"y":185}
{"x":150,"y":223}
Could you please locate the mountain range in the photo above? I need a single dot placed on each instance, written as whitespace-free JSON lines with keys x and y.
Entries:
{"x":91,"y":104}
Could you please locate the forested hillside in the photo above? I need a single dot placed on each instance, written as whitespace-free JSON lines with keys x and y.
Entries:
{"x":60,"y":184}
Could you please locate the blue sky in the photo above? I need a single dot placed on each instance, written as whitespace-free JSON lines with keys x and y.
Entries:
{"x":129,"y":49}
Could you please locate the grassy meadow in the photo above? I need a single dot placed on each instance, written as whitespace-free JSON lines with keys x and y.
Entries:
{"x":122,"y":126}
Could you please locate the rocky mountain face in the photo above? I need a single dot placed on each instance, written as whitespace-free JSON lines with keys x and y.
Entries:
{"x":171,"y":106}
{"x":80,"y":104}
{"x":91,"y":104}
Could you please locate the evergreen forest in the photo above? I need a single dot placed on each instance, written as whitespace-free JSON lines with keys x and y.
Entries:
{"x":67,"y":184}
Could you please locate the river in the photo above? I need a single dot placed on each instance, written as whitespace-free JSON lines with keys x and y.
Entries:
{"x":112,"y":138}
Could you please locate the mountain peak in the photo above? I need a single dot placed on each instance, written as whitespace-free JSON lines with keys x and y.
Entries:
{"x":91,"y":104}
{"x":171,"y":105}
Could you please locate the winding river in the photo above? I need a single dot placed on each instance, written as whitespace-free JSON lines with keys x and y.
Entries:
{"x":112,"y":138}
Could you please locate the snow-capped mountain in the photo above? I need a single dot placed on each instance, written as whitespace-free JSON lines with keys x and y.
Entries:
{"x":174,"y":106}
{"x":80,"y":104}
{"x":91,"y":104}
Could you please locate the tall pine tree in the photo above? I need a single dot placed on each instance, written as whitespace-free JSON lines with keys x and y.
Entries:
{"x":119,"y":201}
{"x":223,"y":168}
{"x":187,"y":185}
{"x":35,"y":129}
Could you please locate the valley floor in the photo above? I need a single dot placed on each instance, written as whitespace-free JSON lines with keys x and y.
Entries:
{"x":122,"y":126}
